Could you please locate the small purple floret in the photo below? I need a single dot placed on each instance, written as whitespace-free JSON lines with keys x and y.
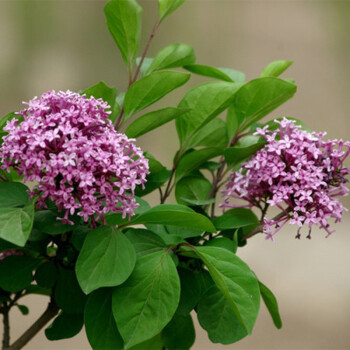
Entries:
{"x":67,"y":144}
{"x":299,"y":173}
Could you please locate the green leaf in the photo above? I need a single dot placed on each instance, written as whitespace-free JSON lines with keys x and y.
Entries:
{"x":192,"y":188}
{"x":144,"y":241}
{"x":166,"y":7}
{"x":68,"y":295}
{"x":16,"y":223}
{"x":154,"y":181}
{"x":206,"y":101}
{"x":164,"y":231}
{"x":236,"y":282}
{"x":150,"y":89}
{"x":174,"y":55}
{"x":78,"y":236}
{"x":235,"y":218}
{"x":147,"y":61}
{"x":213,"y":134}
{"x":64,"y":326}
{"x":23,"y":309}
{"x":106,"y":259}
{"x":46,"y":274}
{"x":124,"y":23}
{"x":190,"y":291}
{"x":222,"y":242}
{"x":46,"y":221}
{"x":208,"y":71}
{"x":193,"y":160}
{"x":233,"y":121}
{"x":235,"y":75}
{"x":108,"y":94}
{"x":275,"y":68}
{"x":151,"y":293}
{"x":34,"y":289}
{"x":216,"y":316}
{"x":16,"y":272}
{"x":177,"y":215}
{"x":154,"y":343}
{"x":259,"y":97}
{"x":13,"y":194}
{"x":100,"y":326}
{"x":179,"y":333}
{"x":153,"y":120}
{"x":102,"y":90}
{"x":244,"y":149}
{"x":271,"y":304}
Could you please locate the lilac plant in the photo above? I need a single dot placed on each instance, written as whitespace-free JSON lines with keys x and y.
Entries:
{"x":84,"y":234}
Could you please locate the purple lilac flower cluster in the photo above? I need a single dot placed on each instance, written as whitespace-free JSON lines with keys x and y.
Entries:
{"x":296,"y":171}
{"x":67,"y":144}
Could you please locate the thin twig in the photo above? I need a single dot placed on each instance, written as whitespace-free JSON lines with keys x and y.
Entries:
{"x":132,"y":79}
{"x":6,"y":322}
{"x":50,"y":312}
{"x":169,"y":186}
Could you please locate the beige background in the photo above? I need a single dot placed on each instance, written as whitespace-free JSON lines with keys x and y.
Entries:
{"x":65,"y":45}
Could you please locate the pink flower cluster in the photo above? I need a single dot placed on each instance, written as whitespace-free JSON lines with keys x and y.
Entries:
{"x":67,"y":144}
{"x":296,"y":171}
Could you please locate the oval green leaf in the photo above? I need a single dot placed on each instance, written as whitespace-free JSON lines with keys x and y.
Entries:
{"x":151,"y":294}
{"x":271,"y":304}
{"x":13,"y":194}
{"x":194,"y":160}
{"x":144,"y":241}
{"x":16,"y":272}
{"x":153,"y":120}
{"x":100,"y":326}
{"x":16,"y":223}
{"x":208,"y":71}
{"x":236,"y":282}
{"x":206,"y":101}
{"x":213,"y":134}
{"x":217,"y":317}
{"x":275,"y":68}
{"x":174,"y":55}
{"x":150,"y":89}
{"x":259,"y":97}
{"x":177,"y":215}
{"x":235,"y":218}
{"x":179,"y":333}
{"x":192,"y":189}
{"x":124,"y":23}
{"x":68,"y":295}
{"x":166,"y":7}
{"x":106,"y":259}
{"x":64,"y":326}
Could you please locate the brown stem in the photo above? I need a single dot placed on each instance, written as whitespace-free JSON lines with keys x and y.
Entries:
{"x":220,"y":174}
{"x":6,"y":322}
{"x":50,"y":312}
{"x":145,"y":52}
{"x":168,"y":187}
{"x":132,"y":79}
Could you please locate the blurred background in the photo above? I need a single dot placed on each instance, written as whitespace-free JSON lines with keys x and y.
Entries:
{"x":64,"y":45}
